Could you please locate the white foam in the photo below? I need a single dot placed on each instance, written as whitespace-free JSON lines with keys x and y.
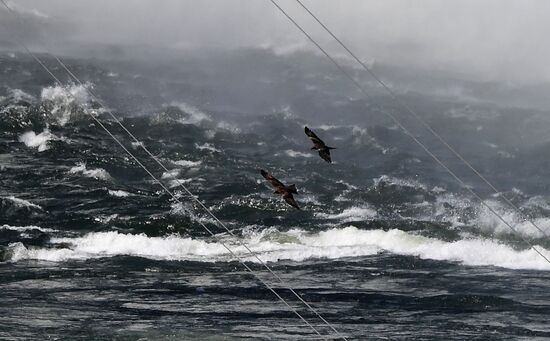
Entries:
{"x":437,"y":189}
{"x":460,"y":211}
{"x":195,"y":114}
{"x":390,"y":180}
{"x":177,"y":182}
{"x":476,"y":252}
{"x":103,"y":244}
{"x":207,"y":146}
{"x":22,"y":202}
{"x":62,"y":102}
{"x":181,"y":208}
{"x":118,"y":193}
{"x":186,"y":209}
{"x":490,"y":145}
{"x":18,"y":252}
{"x":26,"y":228}
{"x":232,"y":128}
{"x":348,"y":185}
{"x":135,"y":145}
{"x":350,"y":214}
{"x":308,"y":198}
{"x":293,"y":153}
{"x":171,"y":174}
{"x":40,"y":141}
{"x":296,"y":245}
{"x":489,"y":222}
{"x":106,"y":219}
{"x":448,"y":208}
{"x":537,"y":201}
{"x":187,"y":163}
{"x":20,"y":95}
{"x":329,"y":127}
{"x":362,"y":137}
{"x":342,"y":196}
{"x":209,"y":134}
{"x":505,"y":154}
{"x":96,"y":173}
{"x":284,"y":113}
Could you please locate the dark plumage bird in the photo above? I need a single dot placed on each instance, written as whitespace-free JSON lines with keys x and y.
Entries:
{"x":280,"y":188}
{"x":319,"y":145}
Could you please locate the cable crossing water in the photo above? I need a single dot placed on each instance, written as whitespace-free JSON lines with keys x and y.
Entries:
{"x":407,"y":132}
{"x":410,"y":110}
{"x":194,"y":198}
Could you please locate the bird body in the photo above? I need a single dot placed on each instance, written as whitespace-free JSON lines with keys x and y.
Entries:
{"x":319,"y":145}
{"x":280,"y":188}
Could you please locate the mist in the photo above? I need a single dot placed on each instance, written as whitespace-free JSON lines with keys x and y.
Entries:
{"x":483,"y":41}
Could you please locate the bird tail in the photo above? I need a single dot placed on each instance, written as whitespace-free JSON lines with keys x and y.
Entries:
{"x":330,"y":147}
{"x":292,"y":189}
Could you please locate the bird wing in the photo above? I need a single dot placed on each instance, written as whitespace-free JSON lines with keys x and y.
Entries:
{"x":290,"y":200}
{"x":314,"y":138}
{"x":274,"y":182}
{"x":325,"y":155}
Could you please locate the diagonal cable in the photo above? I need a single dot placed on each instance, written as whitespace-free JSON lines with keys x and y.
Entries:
{"x":253,"y":253}
{"x":407,"y":132}
{"x":239,"y":258}
{"x":417,"y":117}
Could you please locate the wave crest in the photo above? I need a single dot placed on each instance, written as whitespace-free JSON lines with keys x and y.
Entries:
{"x":96,"y":173}
{"x":40,"y":141}
{"x":294,"y":245}
{"x":64,"y":104}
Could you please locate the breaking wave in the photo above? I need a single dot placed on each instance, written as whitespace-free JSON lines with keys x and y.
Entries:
{"x":19,"y":95}
{"x":295,"y":245}
{"x":350,"y":214}
{"x":187,"y":163}
{"x":65,"y":103}
{"x":26,"y":228}
{"x":182,"y":113}
{"x":207,"y":146}
{"x":118,"y":193}
{"x":40,"y":141}
{"x":393,"y":181}
{"x":96,"y":173}
{"x":21,"y":202}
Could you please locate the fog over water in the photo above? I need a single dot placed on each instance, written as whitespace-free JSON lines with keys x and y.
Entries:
{"x":386,"y":244}
{"x":480,"y":40}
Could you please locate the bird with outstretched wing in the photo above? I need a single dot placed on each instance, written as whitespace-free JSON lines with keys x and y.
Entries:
{"x":319,"y":145}
{"x":280,"y":188}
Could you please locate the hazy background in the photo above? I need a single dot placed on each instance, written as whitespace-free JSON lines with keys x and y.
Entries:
{"x":491,"y":40}
{"x":394,"y":246}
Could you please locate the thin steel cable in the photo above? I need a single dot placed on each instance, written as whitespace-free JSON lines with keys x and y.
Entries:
{"x":407,"y":132}
{"x":239,"y":258}
{"x":422,"y":121}
{"x":254,"y":254}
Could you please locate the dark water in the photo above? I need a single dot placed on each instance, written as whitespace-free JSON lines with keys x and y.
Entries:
{"x":386,"y":245}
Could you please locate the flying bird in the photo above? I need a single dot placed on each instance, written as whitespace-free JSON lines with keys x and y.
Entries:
{"x":280,"y":188}
{"x":319,"y":145}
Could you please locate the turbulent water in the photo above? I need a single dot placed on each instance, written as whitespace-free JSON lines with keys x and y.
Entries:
{"x":386,"y":246}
